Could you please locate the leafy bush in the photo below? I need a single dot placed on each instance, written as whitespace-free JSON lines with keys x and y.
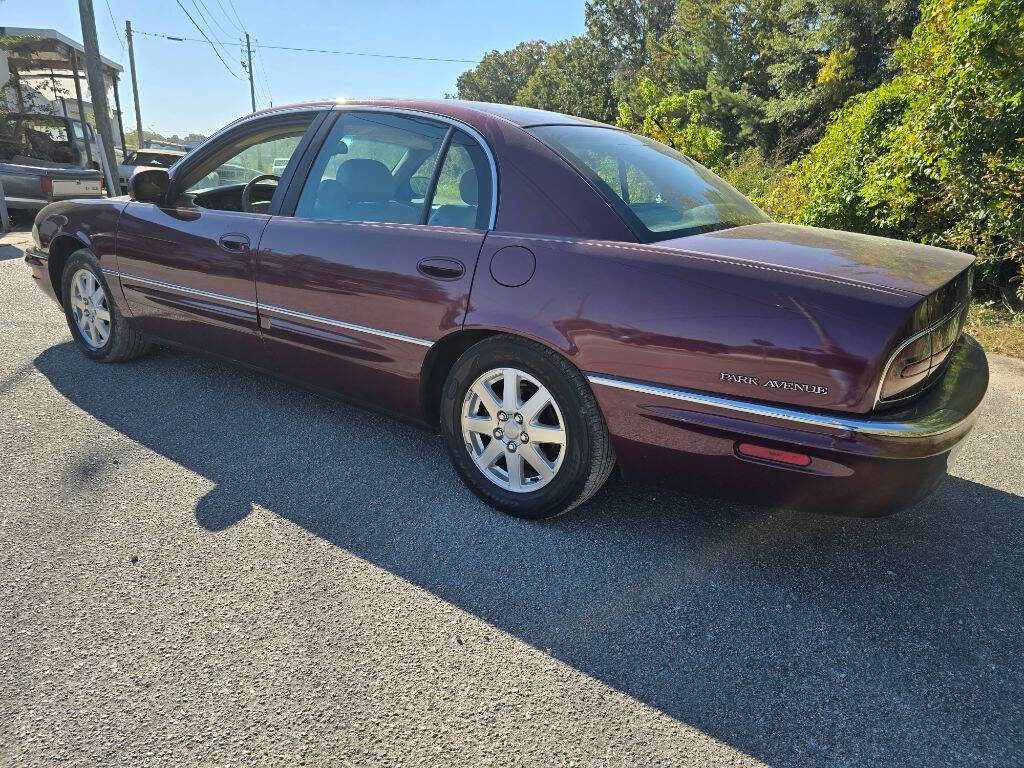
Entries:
{"x":936,"y":154}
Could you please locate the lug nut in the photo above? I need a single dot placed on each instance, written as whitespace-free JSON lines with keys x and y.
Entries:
{"x":502,"y":416}
{"x":511,"y":447}
{"x":519,"y":418}
{"x":524,"y":438}
{"x":499,"y":433}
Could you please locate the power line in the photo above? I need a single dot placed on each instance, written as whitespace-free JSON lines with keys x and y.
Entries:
{"x":204,"y":12}
{"x":226,"y":16}
{"x":263,"y":69}
{"x":372,"y":55}
{"x":185,"y":11}
{"x":117,"y":32}
{"x":179,"y":39}
{"x":235,"y":10}
{"x":207,"y":16}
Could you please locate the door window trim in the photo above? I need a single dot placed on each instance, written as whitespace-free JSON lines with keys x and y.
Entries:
{"x":232,"y":133}
{"x":298,"y":180}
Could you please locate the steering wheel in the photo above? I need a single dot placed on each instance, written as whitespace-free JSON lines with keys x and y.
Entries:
{"x":247,"y":189}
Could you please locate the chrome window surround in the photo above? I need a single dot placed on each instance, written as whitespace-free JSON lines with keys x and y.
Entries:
{"x":896,"y":354}
{"x":836,"y":423}
{"x":370,"y":108}
{"x":449,"y":121}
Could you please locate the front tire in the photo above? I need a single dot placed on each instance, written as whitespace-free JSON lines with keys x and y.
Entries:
{"x":523,"y":429}
{"x":97,"y":326}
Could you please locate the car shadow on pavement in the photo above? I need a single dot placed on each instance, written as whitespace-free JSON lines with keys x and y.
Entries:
{"x":8,"y":252}
{"x":798,"y":639}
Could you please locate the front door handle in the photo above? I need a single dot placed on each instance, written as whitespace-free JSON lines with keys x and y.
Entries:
{"x":442,"y":269}
{"x":234,"y":242}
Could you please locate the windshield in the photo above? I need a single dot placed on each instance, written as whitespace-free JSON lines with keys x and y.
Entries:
{"x":659,"y":192}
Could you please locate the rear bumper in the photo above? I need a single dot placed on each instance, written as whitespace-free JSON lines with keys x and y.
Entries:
{"x":27,"y":203}
{"x":862,"y":466}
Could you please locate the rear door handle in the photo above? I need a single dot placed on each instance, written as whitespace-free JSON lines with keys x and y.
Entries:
{"x":234,"y":242}
{"x":442,"y":269}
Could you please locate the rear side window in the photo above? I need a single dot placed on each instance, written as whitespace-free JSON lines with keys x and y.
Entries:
{"x":462,"y":197}
{"x":365,"y":170}
{"x":658,"y":192}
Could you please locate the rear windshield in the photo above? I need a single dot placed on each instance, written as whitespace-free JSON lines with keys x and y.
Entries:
{"x":35,"y":137}
{"x":659,"y":192}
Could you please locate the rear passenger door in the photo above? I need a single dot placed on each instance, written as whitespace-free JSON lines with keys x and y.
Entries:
{"x":376,"y":262}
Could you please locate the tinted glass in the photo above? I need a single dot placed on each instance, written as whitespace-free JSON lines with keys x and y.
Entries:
{"x":659,"y":192}
{"x":463,"y":194}
{"x":254,"y":160}
{"x":370,"y":169}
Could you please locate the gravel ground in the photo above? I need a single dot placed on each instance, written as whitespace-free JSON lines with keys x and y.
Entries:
{"x":201,"y":565}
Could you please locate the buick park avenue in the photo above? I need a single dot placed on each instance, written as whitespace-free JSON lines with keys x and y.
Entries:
{"x":557,"y":297}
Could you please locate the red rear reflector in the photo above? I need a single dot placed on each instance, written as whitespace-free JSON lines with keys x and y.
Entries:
{"x":46,"y":184}
{"x":774,"y":454}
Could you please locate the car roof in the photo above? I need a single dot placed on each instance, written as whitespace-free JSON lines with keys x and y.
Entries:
{"x":524,"y":117}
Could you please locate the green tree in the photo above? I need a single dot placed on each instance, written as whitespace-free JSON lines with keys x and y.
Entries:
{"x":629,"y":30}
{"x":937,"y":154}
{"x":675,"y":120}
{"x":576,"y":79}
{"x":502,"y":74}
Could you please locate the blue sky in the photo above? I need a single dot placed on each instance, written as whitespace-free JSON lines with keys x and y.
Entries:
{"x":184,"y":88}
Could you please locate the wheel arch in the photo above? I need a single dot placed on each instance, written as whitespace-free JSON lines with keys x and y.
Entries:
{"x":60,"y":250}
{"x":446,"y":350}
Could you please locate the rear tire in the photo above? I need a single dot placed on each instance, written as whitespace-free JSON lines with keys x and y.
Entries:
{"x":536,"y":453}
{"x":97,"y":326}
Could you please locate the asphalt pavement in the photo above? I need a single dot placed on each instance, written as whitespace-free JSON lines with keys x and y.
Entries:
{"x":203,"y":565}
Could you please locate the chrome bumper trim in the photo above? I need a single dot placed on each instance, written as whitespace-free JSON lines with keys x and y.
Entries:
{"x":944,"y":420}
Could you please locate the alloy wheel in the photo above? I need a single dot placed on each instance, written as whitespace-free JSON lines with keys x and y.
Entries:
{"x":90,"y":308}
{"x":513,"y":430}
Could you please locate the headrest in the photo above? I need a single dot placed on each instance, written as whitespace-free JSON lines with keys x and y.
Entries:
{"x":468,"y":188}
{"x":365,"y":181}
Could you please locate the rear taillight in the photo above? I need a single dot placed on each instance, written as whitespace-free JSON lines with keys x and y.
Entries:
{"x":46,"y":186}
{"x":920,"y":357}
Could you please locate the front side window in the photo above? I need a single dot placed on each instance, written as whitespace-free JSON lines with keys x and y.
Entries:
{"x":659,"y":192}
{"x":251,"y":159}
{"x":372,"y":168}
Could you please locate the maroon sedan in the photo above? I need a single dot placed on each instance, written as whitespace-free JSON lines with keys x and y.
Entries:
{"x":558,"y":296}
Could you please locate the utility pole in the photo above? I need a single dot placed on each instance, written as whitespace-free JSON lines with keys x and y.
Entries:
{"x":252,"y":88}
{"x":135,"y":83}
{"x":98,"y":89}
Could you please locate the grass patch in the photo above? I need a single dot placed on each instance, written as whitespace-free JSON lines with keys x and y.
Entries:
{"x":998,"y":329}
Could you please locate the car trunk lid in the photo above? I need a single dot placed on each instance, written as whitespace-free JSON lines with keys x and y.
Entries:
{"x":865,"y":259}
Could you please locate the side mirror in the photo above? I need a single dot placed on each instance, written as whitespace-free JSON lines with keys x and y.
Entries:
{"x":149,"y":185}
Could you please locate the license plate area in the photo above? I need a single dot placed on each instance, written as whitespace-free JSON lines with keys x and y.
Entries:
{"x":76,"y":188}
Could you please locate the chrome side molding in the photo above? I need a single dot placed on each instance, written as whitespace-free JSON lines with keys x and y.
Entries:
{"x":269,"y":308}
